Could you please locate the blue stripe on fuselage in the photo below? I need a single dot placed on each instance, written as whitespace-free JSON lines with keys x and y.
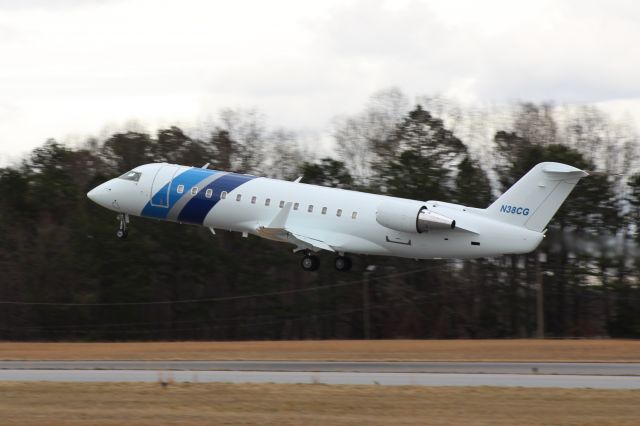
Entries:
{"x":188,"y":178}
{"x":199,"y":206}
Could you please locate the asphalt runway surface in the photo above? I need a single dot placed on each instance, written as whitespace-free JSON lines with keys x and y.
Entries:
{"x":545,"y":368}
{"x":518,"y":374}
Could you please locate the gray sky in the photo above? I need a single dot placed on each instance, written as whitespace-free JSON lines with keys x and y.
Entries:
{"x":70,"y":68}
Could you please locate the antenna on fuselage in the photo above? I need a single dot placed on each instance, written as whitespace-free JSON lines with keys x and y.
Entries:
{"x":206,"y":166}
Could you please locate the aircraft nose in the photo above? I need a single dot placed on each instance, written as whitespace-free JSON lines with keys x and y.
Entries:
{"x":100,"y":194}
{"x":93,"y":194}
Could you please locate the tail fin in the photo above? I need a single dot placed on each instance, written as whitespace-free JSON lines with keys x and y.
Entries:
{"x":533,"y":200}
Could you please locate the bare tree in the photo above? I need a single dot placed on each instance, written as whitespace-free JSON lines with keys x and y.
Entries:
{"x":362,"y":137}
{"x":285,"y":155}
{"x":247,"y":130}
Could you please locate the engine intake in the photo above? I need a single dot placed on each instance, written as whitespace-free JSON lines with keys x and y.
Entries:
{"x":411,"y":217}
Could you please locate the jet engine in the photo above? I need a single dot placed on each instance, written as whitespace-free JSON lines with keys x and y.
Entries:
{"x":411,"y":217}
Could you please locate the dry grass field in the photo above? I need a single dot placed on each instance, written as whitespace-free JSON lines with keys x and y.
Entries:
{"x":276,"y":404}
{"x":383,"y":350}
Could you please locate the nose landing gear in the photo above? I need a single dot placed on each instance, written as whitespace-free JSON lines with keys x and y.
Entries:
{"x":123,"y":230}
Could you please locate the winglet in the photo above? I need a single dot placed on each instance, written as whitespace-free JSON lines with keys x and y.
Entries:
{"x":279,"y":221}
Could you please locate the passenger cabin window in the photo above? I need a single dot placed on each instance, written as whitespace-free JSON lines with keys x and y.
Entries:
{"x":296,"y":205}
{"x":354,"y":215}
{"x":310,"y":208}
{"x":324,"y":210}
{"x":238,"y":197}
{"x":134,"y":176}
{"x":267,"y":202}
{"x":180,"y":189}
{"x":194,"y":190}
{"x":281,"y":204}
{"x":209,"y":193}
{"x":253,"y":199}
{"x":223,"y":195}
{"x":339,"y":212}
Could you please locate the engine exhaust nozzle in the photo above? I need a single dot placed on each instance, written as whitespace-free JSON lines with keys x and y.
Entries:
{"x":428,"y":220}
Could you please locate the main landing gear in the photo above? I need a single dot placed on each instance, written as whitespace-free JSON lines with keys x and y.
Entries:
{"x":123,"y":230}
{"x":343,"y":263}
{"x":311,"y":262}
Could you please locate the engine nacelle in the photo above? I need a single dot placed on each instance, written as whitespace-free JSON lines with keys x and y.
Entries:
{"x":411,"y":217}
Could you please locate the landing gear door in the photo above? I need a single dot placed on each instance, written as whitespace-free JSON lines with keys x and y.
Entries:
{"x":162,"y":186}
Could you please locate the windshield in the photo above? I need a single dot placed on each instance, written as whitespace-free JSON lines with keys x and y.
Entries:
{"x":134,"y":176}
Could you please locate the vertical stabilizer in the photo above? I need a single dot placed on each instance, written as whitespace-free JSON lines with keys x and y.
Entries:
{"x":533,"y":200}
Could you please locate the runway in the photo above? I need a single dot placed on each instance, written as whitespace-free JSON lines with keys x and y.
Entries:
{"x":559,"y":375}
{"x":345,"y":378}
{"x":564,"y":368}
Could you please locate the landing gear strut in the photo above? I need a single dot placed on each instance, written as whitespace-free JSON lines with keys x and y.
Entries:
{"x":122,"y":231}
{"x":310,"y":262}
{"x":343,"y":263}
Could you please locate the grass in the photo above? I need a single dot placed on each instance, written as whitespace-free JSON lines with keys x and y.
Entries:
{"x":344,"y":350}
{"x":276,"y":404}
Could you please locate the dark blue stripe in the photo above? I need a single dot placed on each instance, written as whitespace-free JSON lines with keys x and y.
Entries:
{"x":199,"y":206}
{"x":188,"y":178}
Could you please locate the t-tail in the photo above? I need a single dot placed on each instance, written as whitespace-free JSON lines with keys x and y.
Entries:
{"x":533,"y":200}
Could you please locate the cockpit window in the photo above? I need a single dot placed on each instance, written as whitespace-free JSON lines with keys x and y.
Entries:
{"x":134,"y":176}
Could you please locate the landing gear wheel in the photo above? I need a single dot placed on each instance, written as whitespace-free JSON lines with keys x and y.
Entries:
{"x":343,"y":263}
{"x":122,"y":231}
{"x":310,"y":262}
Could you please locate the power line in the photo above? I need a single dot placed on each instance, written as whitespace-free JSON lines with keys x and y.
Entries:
{"x":284,"y":318}
{"x":217,"y":299}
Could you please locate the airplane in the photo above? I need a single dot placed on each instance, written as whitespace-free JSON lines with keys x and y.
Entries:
{"x":315,"y":218}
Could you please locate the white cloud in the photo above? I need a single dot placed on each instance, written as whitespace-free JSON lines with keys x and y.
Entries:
{"x":71,"y":67}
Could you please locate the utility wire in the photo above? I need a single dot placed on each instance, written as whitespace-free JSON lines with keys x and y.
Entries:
{"x":220,"y":299}
{"x":284,"y":318}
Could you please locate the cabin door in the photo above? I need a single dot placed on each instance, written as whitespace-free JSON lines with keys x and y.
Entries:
{"x":162,"y":186}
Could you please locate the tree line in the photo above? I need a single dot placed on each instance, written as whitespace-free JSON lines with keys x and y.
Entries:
{"x":65,"y":276}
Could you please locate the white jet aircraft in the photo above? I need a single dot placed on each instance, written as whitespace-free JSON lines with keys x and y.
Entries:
{"x":315,"y":218}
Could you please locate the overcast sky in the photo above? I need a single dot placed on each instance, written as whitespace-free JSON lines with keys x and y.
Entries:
{"x":69,"y":68}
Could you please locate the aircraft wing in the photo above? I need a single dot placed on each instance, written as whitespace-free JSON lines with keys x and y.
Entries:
{"x":301,"y":238}
{"x":312,"y":243}
{"x":304,"y":239}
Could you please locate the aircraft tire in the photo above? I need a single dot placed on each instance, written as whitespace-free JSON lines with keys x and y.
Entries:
{"x":122,"y":234}
{"x":343,"y":263}
{"x":310,"y":262}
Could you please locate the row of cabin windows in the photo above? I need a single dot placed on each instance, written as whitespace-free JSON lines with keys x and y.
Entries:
{"x":267,"y":202}
{"x":194,"y":191}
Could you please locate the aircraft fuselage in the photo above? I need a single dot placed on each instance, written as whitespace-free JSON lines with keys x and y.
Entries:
{"x":313,"y":217}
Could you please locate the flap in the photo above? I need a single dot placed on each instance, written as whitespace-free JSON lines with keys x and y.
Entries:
{"x":313,"y":242}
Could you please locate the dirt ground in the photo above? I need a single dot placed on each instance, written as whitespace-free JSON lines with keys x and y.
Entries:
{"x":392,"y":350}
{"x":276,"y":404}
